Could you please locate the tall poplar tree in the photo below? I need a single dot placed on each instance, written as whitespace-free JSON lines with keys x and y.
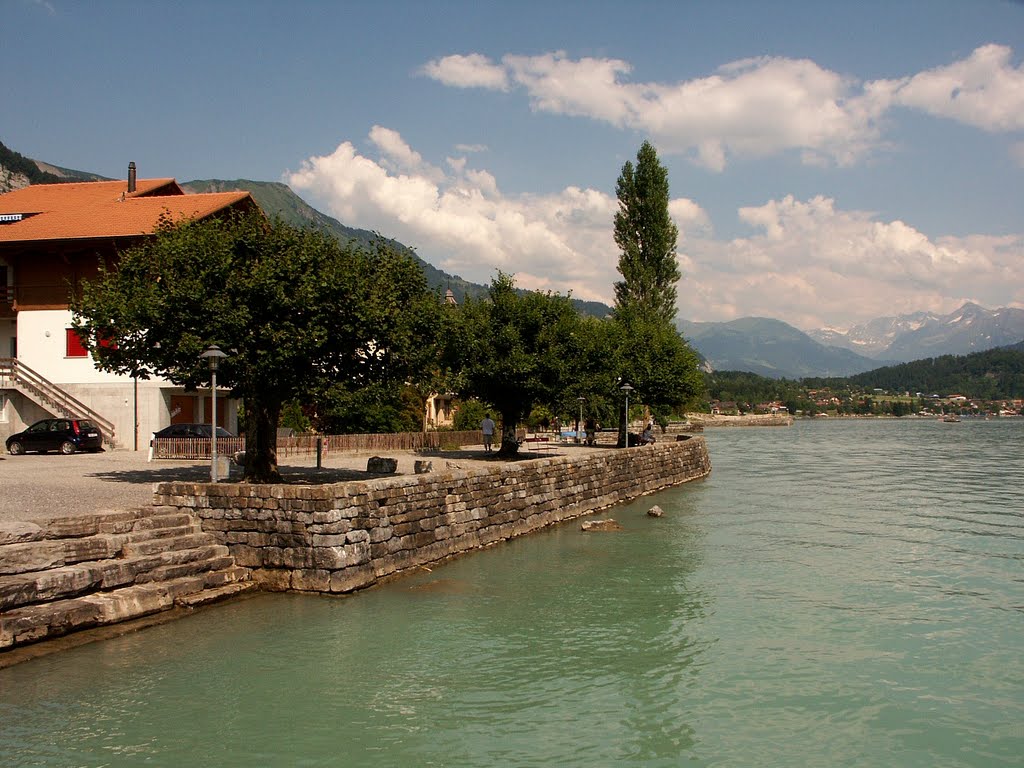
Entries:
{"x":646,"y":235}
{"x":654,"y":359}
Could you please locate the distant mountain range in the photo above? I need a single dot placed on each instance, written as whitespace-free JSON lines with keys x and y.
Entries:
{"x":760,"y":345}
{"x":773,"y":348}
{"x":770,"y":348}
{"x":923,"y":334}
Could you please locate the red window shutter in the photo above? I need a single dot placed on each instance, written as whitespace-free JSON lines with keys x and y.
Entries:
{"x":75,"y":348}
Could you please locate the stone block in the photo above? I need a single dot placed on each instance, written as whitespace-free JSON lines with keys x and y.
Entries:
{"x":356,"y":537}
{"x":351,"y":579}
{"x":311,"y":580}
{"x":129,"y":603}
{"x":381,"y":465}
{"x":272,"y":579}
{"x":38,"y":622}
{"x":31,"y":556}
{"x":422,"y":467}
{"x":17,"y":532}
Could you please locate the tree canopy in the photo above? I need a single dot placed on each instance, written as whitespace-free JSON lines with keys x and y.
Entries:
{"x":646,"y":236}
{"x":512,"y":350}
{"x":299,"y":314}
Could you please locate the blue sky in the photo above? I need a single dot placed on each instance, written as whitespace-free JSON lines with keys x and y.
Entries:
{"x":829,"y":162}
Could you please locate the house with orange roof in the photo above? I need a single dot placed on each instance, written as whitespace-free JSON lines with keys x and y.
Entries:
{"x":52,"y":236}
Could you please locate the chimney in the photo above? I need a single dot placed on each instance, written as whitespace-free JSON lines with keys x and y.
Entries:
{"x":131,"y":177}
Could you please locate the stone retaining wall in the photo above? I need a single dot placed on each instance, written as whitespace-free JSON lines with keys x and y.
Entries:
{"x":346,"y":536}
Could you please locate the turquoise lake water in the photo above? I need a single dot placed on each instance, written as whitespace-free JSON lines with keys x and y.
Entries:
{"x":835,"y":594}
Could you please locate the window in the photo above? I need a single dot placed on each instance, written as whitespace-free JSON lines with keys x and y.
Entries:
{"x":75,"y":348}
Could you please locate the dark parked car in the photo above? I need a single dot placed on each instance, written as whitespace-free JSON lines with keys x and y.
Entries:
{"x":191,"y":430}
{"x":64,"y":435}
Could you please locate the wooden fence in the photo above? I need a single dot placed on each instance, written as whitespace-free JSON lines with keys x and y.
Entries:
{"x":306,"y":445}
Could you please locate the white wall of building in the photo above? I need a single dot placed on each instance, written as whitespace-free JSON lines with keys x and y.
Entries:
{"x":42,"y":346}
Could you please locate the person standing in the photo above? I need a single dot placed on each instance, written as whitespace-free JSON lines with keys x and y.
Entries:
{"x":487,"y":427}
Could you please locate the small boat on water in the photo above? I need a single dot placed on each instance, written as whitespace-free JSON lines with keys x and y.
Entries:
{"x":950,"y":418}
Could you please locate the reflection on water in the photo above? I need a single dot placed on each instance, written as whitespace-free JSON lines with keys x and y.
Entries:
{"x":834,"y":594}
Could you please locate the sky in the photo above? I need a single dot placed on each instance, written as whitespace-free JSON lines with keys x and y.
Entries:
{"x":829,"y":162}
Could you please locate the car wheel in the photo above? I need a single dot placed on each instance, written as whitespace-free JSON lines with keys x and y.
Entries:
{"x":16,"y":448}
{"x":67,"y":447}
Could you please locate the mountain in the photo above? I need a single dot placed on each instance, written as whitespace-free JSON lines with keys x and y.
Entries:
{"x":17,"y":171}
{"x":770,"y":348}
{"x":994,"y":374}
{"x":971,"y":328}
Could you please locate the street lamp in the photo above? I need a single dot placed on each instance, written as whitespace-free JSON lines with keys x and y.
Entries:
{"x":579,"y":423}
{"x":213,"y":355}
{"x":627,"y":389}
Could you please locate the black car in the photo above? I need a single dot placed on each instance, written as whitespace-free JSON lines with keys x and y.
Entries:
{"x":191,"y":430}
{"x":64,"y":435}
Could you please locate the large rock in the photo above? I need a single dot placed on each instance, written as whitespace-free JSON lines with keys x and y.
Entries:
{"x":381,"y":465}
{"x":600,"y":525}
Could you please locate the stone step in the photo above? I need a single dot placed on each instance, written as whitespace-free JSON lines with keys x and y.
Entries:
{"x":37,"y":554}
{"x":234,"y":573}
{"x":40,"y":622}
{"x":191,"y":568}
{"x":153,"y":534}
{"x":60,"y":583}
{"x":48,"y":620}
{"x":154,"y":546}
{"x":216,"y":594}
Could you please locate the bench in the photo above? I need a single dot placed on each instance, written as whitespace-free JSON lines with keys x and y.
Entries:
{"x":536,"y":442}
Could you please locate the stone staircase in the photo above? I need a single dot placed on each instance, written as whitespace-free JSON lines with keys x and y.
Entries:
{"x":68,"y":574}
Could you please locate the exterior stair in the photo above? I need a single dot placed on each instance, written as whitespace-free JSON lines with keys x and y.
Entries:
{"x":75,"y":573}
{"x":16,"y":375}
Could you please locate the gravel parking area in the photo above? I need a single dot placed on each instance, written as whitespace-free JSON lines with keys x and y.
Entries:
{"x":44,"y":486}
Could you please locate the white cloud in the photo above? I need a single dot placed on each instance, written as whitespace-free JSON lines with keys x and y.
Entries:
{"x":753,"y":107}
{"x":472,"y":71}
{"x":460,"y":217}
{"x":812,"y":264}
{"x":984,"y":90}
{"x":807,"y":262}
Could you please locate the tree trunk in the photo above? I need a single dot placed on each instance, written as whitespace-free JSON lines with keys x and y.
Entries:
{"x":509,"y":443}
{"x":261,"y":441}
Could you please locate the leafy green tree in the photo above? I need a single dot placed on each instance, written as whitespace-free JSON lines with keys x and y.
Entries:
{"x":646,"y":236}
{"x":510,"y":350}
{"x":469,"y":414}
{"x":299,"y":314}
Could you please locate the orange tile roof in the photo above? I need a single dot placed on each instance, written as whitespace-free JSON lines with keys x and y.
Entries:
{"x":102,"y":209}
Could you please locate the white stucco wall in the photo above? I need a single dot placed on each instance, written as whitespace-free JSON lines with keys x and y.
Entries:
{"x":42,"y":346}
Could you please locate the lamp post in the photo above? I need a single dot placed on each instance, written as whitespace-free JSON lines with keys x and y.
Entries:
{"x":627,"y":389}
{"x":579,"y":423}
{"x":213,"y":355}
